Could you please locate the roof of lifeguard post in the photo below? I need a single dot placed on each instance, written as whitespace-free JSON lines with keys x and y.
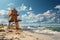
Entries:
{"x":32,"y":12}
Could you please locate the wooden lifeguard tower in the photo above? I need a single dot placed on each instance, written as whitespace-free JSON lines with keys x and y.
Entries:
{"x":13,"y":17}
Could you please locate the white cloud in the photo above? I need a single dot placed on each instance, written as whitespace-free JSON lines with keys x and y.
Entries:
{"x":48,"y":12}
{"x":30,"y":8}
{"x":23,"y":7}
{"x":11,"y":4}
{"x":58,"y":6}
{"x":50,"y":16}
{"x":9,"y":8}
{"x":47,"y":17}
{"x":25,"y":15}
{"x":3,"y":12}
{"x":30,"y":17}
{"x":41,"y":19}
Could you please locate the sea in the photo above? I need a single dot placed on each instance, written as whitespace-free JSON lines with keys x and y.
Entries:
{"x":43,"y":28}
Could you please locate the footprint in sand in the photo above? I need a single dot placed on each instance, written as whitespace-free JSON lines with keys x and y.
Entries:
{"x":16,"y":38}
{"x":22,"y":36}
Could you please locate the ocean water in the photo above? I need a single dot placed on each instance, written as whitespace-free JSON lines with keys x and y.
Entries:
{"x":52,"y":27}
{"x":42,"y":29}
{"x":56,"y":28}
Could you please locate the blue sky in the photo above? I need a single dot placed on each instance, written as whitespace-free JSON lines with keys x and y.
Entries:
{"x":32,"y":12}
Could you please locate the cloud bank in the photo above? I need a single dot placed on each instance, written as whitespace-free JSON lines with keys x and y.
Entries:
{"x":50,"y":16}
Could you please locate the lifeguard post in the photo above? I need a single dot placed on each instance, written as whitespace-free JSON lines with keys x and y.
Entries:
{"x":13,"y":17}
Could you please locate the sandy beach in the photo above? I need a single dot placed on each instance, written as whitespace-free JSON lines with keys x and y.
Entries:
{"x":27,"y":36}
{"x":30,"y":34}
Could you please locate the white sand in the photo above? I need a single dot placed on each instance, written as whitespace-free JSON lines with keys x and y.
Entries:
{"x":29,"y":35}
{"x":25,"y":35}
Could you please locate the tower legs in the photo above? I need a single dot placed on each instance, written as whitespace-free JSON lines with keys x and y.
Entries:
{"x":9,"y":25}
{"x":16,"y":26}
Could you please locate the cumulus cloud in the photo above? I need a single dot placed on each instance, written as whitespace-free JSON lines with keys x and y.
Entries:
{"x":41,"y":19}
{"x":30,"y":17}
{"x":47,"y":17}
{"x":9,"y":8}
{"x":11,"y":4}
{"x":30,"y":8}
{"x":58,"y":6}
{"x":3,"y":12}
{"x":50,"y":16}
{"x":23,"y":7}
{"x":47,"y":12}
